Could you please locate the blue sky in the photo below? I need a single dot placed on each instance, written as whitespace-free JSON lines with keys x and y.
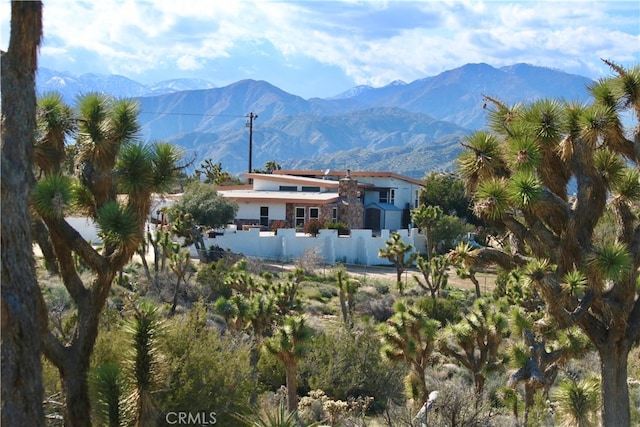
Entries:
{"x":321,"y":48}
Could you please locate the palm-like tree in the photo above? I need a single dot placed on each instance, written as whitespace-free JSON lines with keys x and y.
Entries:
{"x":289,"y":344}
{"x":475,"y":342}
{"x":110,"y":161}
{"x":410,"y":335}
{"x":518,"y":174}
{"x":400,"y":254}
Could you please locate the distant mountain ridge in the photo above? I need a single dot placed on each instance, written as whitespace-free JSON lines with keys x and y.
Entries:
{"x":408,"y":128}
{"x":70,"y":85}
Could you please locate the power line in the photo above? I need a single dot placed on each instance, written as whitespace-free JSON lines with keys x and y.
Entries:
{"x":190,"y":114}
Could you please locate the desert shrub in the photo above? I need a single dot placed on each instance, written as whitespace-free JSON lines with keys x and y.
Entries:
{"x":380,"y":309}
{"x":343,"y":229}
{"x":444,"y":310}
{"x":277,"y":224}
{"x":382,"y":288}
{"x":456,"y":405}
{"x":205,"y":371}
{"x":271,"y":372}
{"x":347,"y":364}
{"x":313,"y":227}
{"x":210,"y":277}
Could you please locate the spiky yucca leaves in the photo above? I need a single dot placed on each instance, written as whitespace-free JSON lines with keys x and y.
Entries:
{"x":600,"y":126}
{"x":483,"y":159}
{"x":52,"y":195}
{"x":119,"y":226}
{"x":492,"y":199}
{"x":107,"y":381}
{"x":524,"y":153}
{"x":105,"y":124}
{"x":144,"y":329}
{"x":279,"y":417}
{"x":56,"y":122}
{"x":524,"y":190}
{"x":574,"y":284}
{"x":611,"y":166}
{"x":166,"y":164}
{"x":475,"y":342}
{"x":578,"y":402}
{"x":410,"y":335}
{"x":610,"y":262}
{"x":627,"y":186}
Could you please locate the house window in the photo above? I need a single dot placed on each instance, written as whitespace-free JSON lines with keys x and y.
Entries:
{"x":288,"y":188}
{"x":311,"y":189}
{"x":415,"y":201}
{"x":299,"y":217}
{"x":264,"y":216}
{"x":392,"y":196}
{"x":384,"y":196}
{"x":314,"y":213}
{"x":334,"y":214}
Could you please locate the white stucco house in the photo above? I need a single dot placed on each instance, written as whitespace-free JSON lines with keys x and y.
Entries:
{"x":360,"y":199}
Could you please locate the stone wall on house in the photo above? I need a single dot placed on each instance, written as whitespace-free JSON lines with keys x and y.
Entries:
{"x":350,"y":208}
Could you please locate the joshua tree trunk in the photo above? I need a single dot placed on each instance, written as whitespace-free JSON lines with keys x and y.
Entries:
{"x":23,"y":312}
{"x":292,"y":393}
{"x":613,"y":371}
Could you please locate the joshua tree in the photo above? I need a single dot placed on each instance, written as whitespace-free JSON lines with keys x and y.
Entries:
{"x":400,"y":254}
{"x":475,"y":341}
{"x":434,"y":273}
{"x":110,"y":161}
{"x":462,"y":258}
{"x":144,"y":329}
{"x":521,"y":175}
{"x":347,"y":288}
{"x":410,"y":335}
{"x":426,"y":217}
{"x":289,"y":344}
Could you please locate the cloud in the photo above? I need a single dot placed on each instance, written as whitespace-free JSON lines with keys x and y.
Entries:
{"x":189,"y":62}
{"x":369,"y":42}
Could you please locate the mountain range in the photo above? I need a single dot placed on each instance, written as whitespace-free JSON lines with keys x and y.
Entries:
{"x":409,"y":128}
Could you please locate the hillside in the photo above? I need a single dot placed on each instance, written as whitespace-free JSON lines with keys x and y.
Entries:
{"x":409,"y":128}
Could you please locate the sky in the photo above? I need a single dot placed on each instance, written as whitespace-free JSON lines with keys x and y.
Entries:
{"x":321,"y":48}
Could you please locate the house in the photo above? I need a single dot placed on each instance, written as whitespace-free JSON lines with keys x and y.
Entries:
{"x":361,"y":200}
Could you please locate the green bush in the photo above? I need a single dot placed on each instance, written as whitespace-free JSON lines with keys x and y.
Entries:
{"x":211,"y":280}
{"x":205,"y":371}
{"x":348,"y":364}
{"x":444,"y":310}
{"x":343,"y":229}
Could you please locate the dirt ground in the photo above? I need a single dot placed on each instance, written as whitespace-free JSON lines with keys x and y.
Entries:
{"x":372,"y":274}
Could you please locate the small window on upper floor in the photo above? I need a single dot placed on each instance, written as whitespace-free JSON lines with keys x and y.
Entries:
{"x":310,"y":189}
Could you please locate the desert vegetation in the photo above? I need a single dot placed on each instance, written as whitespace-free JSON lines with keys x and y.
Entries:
{"x":133,"y":331}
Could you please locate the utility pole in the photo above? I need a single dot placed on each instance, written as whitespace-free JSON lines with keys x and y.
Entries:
{"x":249,"y":124}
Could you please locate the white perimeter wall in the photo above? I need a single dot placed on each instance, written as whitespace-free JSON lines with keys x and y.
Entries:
{"x":361,"y":247}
